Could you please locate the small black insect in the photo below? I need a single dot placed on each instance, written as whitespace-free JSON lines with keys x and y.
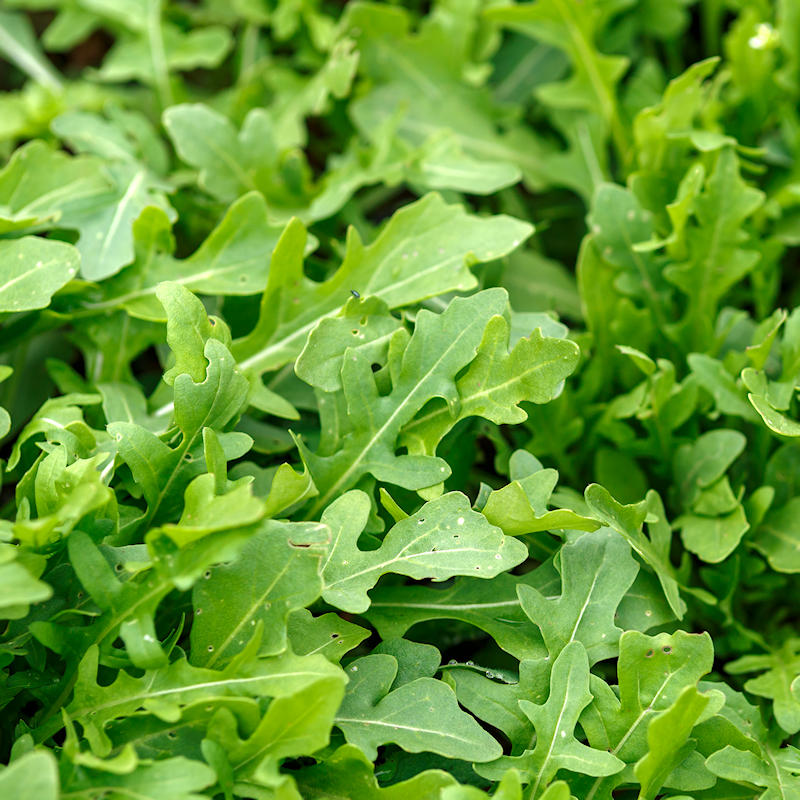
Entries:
{"x":355,"y":293}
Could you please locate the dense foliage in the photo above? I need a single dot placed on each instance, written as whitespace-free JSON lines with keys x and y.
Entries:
{"x":399,"y":400}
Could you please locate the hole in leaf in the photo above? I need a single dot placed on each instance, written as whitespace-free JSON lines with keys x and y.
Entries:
{"x":648,"y":654}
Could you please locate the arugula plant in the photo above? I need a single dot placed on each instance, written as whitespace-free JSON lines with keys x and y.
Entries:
{"x":399,"y":400}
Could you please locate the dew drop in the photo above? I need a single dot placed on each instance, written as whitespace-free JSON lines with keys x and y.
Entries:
{"x":498,"y":556}
{"x":210,"y":648}
{"x":207,"y":574}
{"x":470,"y":663}
{"x":460,"y":521}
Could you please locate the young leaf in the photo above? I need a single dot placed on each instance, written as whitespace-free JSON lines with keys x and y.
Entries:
{"x":597,"y":569}
{"x":554,"y":722}
{"x":423,"y":251}
{"x":421,"y":715}
{"x":444,"y":538}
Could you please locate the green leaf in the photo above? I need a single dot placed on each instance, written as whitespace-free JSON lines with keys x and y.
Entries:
{"x":83,"y":193}
{"x":233,"y":260}
{"x":775,"y":770}
{"x":435,"y":242}
{"x":592,"y":84}
{"x":718,"y":254}
{"x":667,"y":737}
{"x":276,"y":573}
{"x":33,"y":776}
{"x":779,"y":669}
{"x":444,"y":538}
{"x":364,"y":326}
{"x":425,"y":367}
{"x":349,"y":773}
{"x":328,"y":634}
{"x":496,"y":382}
{"x":491,"y":606}
{"x":488,"y":695}
{"x":597,"y":569}
{"x":554,"y":722}
{"x":777,"y":538}
{"x":653,"y":671}
{"x":228,"y":163}
{"x":171,"y":690}
{"x":18,"y":44}
{"x":421,"y":715}
{"x":627,"y":520}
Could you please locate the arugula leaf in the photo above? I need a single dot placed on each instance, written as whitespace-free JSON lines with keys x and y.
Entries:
{"x":554,"y":722}
{"x":431,"y":242}
{"x":419,"y":715}
{"x":444,"y":538}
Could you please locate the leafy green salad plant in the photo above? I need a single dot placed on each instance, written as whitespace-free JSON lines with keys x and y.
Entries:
{"x":399,"y":400}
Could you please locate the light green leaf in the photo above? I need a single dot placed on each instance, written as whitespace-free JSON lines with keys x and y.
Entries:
{"x":176,"y":778}
{"x":776,"y":770}
{"x":597,"y":569}
{"x":421,"y":715}
{"x":628,"y":521}
{"x":295,"y":724}
{"x":18,"y":44}
{"x":34,"y":270}
{"x":554,"y":722}
{"x":652,"y":671}
{"x":19,"y":576}
{"x":521,"y":507}
{"x":444,"y":538}
{"x":348,"y":773}
{"x":233,"y":260}
{"x":33,"y":776}
{"x":496,"y":382}
{"x":170,"y":690}
{"x":668,"y":741}
{"x":276,"y":572}
{"x":364,"y":325}
{"x":779,"y":669}
{"x":434,"y":243}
